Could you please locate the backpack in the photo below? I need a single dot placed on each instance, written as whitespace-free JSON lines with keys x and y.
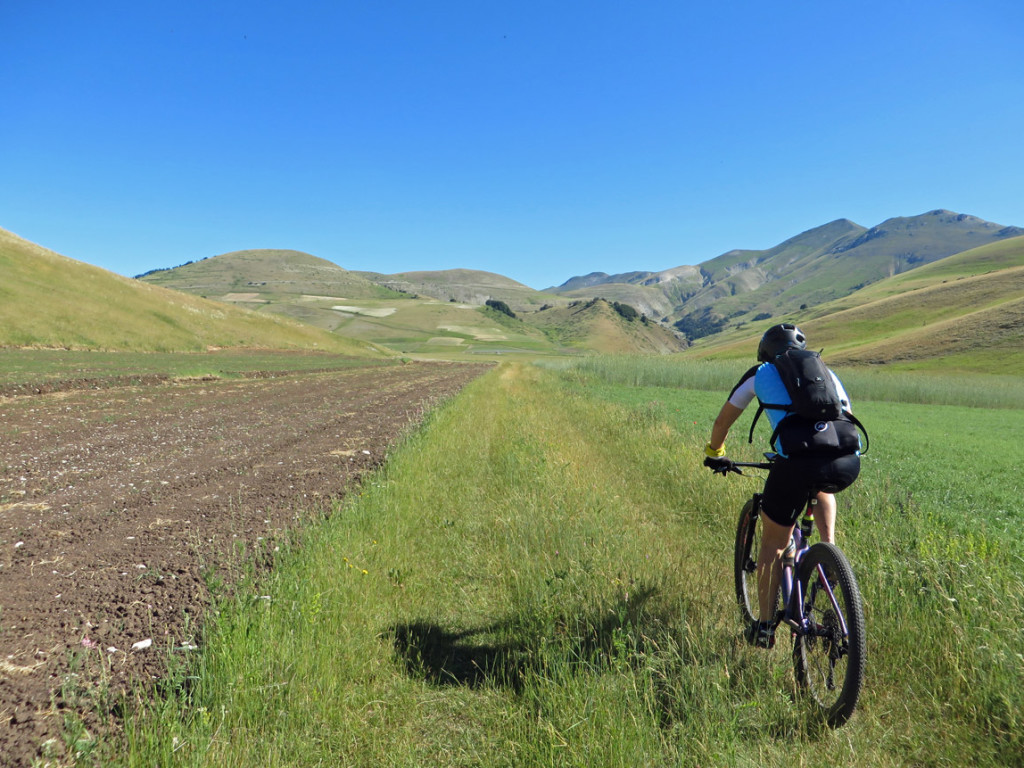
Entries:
{"x":816,"y":422}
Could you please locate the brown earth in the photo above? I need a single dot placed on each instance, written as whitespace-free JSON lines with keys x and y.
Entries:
{"x":120,"y":506}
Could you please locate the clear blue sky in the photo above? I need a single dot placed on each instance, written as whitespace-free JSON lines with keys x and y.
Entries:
{"x":539,"y":140}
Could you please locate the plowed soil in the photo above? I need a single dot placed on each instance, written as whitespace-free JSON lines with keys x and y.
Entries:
{"x":120,"y":505}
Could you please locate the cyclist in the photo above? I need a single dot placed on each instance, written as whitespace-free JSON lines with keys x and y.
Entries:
{"x":792,"y":479}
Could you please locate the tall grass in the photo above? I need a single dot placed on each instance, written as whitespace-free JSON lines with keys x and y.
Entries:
{"x":973,"y":390}
{"x":542,"y":576}
{"x":650,"y":371}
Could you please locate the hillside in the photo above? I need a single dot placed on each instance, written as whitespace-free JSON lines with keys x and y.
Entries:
{"x":439,"y":314}
{"x":817,"y":266}
{"x":656,"y":300}
{"x":468,"y":286}
{"x":964,"y":312}
{"x":49,"y":300}
{"x":448,"y":329}
{"x":596,"y":325}
{"x":256,"y":276}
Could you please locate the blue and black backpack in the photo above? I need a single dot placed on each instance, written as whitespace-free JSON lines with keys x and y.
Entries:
{"x":816,"y":422}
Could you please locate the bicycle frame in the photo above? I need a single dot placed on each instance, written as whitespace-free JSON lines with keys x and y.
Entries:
{"x":792,"y":613}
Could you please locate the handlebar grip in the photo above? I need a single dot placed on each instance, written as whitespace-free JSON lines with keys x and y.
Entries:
{"x":727,"y":470}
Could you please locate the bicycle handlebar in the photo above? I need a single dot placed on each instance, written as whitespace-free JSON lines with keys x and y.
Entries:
{"x":754,"y":464}
{"x":735,"y":465}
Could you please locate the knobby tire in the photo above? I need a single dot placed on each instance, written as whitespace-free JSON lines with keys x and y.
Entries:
{"x":828,"y":666}
{"x":748,"y":544}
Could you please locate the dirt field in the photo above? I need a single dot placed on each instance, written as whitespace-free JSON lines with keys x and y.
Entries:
{"x":117,"y":503}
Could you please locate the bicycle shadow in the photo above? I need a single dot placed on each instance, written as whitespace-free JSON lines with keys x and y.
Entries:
{"x":451,"y":657}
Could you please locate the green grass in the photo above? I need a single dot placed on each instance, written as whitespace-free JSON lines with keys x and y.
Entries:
{"x":542,"y":576}
{"x":863,"y":383}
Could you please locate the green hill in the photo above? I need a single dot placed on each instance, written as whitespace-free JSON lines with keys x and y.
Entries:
{"x":428,"y":327}
{"x":656,"y":300}
{"x":910,"y":292}
{"x":468,"y":286}
{"x":440,"y":314}
{"x":49,"y":300}
{"x":597,"y":326}
{"x":257,"y":276}
{"x":964,"y":312}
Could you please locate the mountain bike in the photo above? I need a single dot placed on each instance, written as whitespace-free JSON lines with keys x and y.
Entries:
{"x":820,"y":603}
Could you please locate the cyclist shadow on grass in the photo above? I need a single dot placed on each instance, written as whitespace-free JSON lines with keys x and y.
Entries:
{"x":627,"y":634}
{"x":463,"y":657}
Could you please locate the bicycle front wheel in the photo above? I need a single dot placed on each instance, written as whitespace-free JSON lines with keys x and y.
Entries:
{"x":748,"y":544}
{"x":829,"y":656}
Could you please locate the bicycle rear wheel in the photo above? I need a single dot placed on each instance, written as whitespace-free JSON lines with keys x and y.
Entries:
{"x":829,"y":658}
{"x":748,"y":544}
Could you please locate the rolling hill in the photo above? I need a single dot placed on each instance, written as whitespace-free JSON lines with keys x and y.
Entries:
{"x":455,"y":330}
{"x":49,"y":300}
{"x":598,"y":326}
{"x":256,"y":276}
{"x":438,"y":314}
{"x":469,"y":286}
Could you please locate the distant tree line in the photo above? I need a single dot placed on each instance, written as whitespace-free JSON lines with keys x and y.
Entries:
{"x":168,"y":269}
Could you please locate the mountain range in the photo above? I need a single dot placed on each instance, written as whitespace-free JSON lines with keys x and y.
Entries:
{"x":812,"y":268}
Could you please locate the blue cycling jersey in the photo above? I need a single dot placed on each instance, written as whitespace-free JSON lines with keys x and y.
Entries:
{"x":764,"y":383}
{"x":769,"y":388}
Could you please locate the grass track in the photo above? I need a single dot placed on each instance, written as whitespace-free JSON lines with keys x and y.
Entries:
{"x":541,"y":577}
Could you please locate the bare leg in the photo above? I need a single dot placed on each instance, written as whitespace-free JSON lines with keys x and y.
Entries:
{"x":774,"y":539}
{"x":825,"y":517}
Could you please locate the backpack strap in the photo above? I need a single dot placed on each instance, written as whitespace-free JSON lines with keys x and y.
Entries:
{"x":862,"y":428}
{"x":760,"y":409}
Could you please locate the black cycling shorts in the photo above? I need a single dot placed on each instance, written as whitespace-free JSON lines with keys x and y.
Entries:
{"x":791,"y":481}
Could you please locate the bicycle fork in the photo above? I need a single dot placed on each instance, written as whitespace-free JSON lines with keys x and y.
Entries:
{"x":794,"y":614}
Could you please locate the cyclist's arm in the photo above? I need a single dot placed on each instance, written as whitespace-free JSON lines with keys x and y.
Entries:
{"x":723,"y":422}
{"x":740,"y":397}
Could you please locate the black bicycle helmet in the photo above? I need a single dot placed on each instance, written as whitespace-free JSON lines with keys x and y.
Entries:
{"x":778,"y":339}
